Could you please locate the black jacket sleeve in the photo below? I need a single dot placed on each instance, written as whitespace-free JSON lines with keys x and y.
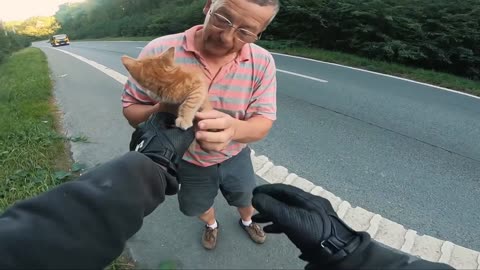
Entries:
{"x":84,"y":223}
{"x":374,"y":255}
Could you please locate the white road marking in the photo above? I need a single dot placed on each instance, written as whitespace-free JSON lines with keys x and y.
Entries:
{"x":380,"y":74}
{"x":362,"y":70}
{"x":110,"y":72}
{"x":288,"y":72}
{"x":277,"y":174}
{"x":302,"y":76}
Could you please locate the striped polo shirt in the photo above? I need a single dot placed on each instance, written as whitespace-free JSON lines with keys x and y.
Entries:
{"x":243,"y":88}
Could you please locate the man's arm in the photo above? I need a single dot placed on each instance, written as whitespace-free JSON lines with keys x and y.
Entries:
{"x":82,"y":224}
{"x":85,"y":223}
{"x":325,"y":241}
{"x":373,"y":255}
{"x":229,"y":129}
{"x":138,"y":113}
{"x":251,"y":130}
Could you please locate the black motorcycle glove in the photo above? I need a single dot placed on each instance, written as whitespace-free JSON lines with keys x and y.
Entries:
{"x":308,"y":221}
{"x":165,"y":144}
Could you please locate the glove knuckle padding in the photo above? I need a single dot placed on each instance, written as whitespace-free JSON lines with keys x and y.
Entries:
{"x":161,"y":141}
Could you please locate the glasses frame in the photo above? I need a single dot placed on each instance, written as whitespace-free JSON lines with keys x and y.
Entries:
{"x":231,"y":25}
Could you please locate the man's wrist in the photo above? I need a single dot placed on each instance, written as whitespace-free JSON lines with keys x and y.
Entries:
{"x":251,"y":130}
{"x":235,"y":128}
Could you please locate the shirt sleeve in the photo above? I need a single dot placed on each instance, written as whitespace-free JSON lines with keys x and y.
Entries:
{"x":133,"y":93}
{"x":264,"y":98}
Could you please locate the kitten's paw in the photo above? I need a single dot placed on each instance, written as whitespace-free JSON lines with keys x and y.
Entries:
{"x":183,"y":123}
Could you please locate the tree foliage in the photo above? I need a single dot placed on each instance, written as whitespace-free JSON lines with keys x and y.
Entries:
{"x":35,"y":27}
{"x":115,"y":18}
{"x":11,"y":41}
{"x":435,"y":34}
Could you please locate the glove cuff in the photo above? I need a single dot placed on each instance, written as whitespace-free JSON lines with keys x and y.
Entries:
{"x":337,"y":244}
{"x":164,"y":158}
{"x":328,"y":256}
{"x":158,"y":153}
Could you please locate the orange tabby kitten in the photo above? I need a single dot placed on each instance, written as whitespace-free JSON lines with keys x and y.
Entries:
{"x":169,"y":83}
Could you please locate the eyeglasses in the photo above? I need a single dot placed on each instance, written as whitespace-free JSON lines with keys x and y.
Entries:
{"x":242,"y":34}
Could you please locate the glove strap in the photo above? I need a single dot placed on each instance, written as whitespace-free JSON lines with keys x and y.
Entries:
{"x":164,"y":157}
{"x":334,"y":249}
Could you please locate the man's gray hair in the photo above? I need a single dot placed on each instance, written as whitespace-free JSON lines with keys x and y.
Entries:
{"x":264,"y":3}
{"x":274,"y":3}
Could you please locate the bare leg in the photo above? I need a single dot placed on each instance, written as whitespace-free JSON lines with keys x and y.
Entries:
{"x":208,"y":217}
{"x":254,"y":230}
{"x":246,"y":213}
{"x":210,"y":234}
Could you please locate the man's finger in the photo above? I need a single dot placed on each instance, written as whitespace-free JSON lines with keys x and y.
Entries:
{"x":261,"y":218}
{"x":295,"y":197}
{"x":210,"y":114}
{"x":217,"y":123}
{"x":288,"y":194}
{"x":172,"y":185}
{"x":273,"y":228}
{"x":212,"y":137}
{"x":269,"y":206}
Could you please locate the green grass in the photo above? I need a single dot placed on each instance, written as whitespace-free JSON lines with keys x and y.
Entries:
{"x":418,"y":74}
{"x":33,"y":156}
{"x":121,"y":263}
{"x":33,"y":153}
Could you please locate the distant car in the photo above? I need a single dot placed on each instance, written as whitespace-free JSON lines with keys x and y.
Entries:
{"x":58,"y":40}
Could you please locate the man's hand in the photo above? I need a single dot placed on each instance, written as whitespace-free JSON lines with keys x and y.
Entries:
{"x":160,"y":140}
{"x":215,"y":130}
{"x":309,"y":222}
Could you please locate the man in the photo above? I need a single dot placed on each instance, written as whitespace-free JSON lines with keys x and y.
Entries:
{"x":84,"y":224}
{"x":242,"y":81}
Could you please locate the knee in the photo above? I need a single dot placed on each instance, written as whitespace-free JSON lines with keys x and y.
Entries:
{"x":190,"y":210}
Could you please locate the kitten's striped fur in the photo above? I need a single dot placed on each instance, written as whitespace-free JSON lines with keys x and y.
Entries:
{"x":169,"y":83}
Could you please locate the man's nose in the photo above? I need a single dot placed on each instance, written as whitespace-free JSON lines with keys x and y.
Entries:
{"x":228,"y":35}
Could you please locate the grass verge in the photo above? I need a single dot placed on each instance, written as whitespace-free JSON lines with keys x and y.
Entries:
{"x":34,"y":156}
{"x":418,"y":74}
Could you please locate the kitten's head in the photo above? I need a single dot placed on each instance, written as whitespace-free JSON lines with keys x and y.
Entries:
{"x":152,"y":73}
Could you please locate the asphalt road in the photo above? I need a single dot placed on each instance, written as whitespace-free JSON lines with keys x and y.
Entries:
{"x":406,"y":151}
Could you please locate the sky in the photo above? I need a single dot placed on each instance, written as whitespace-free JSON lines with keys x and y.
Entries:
{"x":14,"y":10}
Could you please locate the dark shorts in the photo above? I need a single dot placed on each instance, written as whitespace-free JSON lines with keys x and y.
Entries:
{"x":199,"y":185}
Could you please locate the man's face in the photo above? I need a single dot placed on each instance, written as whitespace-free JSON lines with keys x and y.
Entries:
{"x":244,"y":15}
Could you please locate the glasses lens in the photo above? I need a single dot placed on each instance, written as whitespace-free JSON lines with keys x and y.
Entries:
{"x":246,"y":36}
{"x":220,"y":21}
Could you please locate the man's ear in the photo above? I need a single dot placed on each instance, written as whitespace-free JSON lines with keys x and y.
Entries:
{"x":207,"y":7}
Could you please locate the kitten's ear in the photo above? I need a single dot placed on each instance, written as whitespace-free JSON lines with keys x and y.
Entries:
{"x":129,"y":62}
{"x":169,"y":55}
{"x":132,"y":65}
